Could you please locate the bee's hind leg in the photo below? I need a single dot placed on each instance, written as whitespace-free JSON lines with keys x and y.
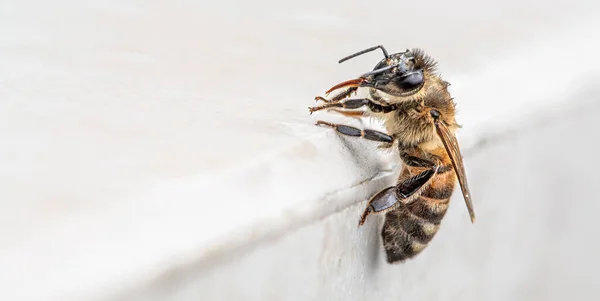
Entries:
{"x":405,"y":192}
{"x":382,"y":200}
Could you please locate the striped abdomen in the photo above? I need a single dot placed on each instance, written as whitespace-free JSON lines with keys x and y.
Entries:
{"x":408,"y":229}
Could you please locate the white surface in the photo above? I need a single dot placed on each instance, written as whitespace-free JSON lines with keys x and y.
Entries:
{"x":142,"y":137}
{"x":533,"y":240}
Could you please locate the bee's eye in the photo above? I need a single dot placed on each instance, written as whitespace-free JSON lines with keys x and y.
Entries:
{"x":411,"y":80}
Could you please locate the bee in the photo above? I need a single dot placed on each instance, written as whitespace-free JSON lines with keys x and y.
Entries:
{"x":409,"y":95}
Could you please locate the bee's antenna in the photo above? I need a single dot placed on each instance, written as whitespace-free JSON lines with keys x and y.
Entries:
{"x":380,"y":70}
{"x":365,"y":51}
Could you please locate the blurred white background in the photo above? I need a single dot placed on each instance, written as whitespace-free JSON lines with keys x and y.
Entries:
{"x":163,"y":150}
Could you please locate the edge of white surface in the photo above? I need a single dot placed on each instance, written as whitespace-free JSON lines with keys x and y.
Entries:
{"x":150,"y":235}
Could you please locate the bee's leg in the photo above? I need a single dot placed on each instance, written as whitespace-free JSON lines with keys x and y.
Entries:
{"x":352,"y":114}
{"x":358,"y":115}
{"x":355,"y":103}
{"x":404,"y":192}
{"x":339,"y":96}
{"x":384,"y":199}
{"x":355,"y":132}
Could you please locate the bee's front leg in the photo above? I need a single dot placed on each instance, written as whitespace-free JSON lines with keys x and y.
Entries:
{"x":339,"y":96}
{"x":355,"y":103}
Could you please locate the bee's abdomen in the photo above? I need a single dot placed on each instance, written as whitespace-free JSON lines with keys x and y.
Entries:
{"x":408,"y":229}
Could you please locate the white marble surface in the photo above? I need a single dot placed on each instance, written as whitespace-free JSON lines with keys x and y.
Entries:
{"x":141,"y":136}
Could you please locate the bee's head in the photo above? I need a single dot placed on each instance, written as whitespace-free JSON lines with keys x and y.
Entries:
{"x":400,"y":74}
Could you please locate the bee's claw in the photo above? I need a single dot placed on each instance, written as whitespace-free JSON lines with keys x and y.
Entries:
{"x":314,"y":109}
{"x":323,"y":123}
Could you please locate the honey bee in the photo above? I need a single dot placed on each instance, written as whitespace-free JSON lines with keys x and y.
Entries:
{"x":408,"y":94}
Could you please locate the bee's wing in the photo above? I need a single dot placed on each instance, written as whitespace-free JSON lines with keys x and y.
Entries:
{"x":453,"y":151}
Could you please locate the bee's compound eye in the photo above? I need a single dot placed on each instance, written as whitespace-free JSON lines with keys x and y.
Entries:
{"x":411,"y":81}
{"x":434,"y":113}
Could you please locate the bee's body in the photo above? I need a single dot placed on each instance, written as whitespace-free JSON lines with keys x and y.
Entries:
{"x":408,"y":229}
{"x":418,"y":113}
